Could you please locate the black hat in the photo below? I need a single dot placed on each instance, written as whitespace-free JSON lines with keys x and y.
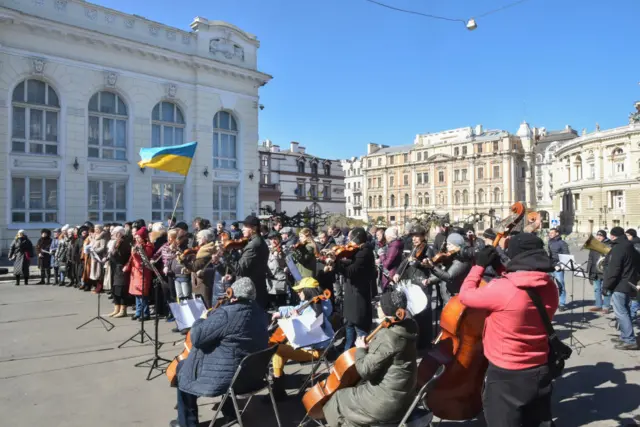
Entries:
{"x":390,"y":302}
{"x":489,"y":234}
{"x":617,"y":232}
{"x":45,"y":231}
{"x":417,"y":229}
{"x":358,"y":235}
{"x":182,"y":226}
{"x":251,"y":221}
{"x":601,"y":233}
{"x":82,"y":228}
{"x":234,"y":224}
{"x":523,"y":242}
{"x":632,"y":232}
{"x":88,"y":224}
{"x":274,"y":235}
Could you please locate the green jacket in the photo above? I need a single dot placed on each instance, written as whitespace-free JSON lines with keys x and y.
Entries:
{"x":305,"y":260}
{"x":388,"y":369}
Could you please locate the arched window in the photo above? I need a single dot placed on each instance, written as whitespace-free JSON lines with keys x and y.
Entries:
{"x":456,"y":197}
{"x":327,"y":169}
{"x":427,"y":199}
{"x":370,"y":201}
{"x":167,"y":125}
{"x":392,"y":201}
{"x":314,"y":168}
{"x":36,"y":111}
{"x":618,"y":159}
{"x":577,"y":164}
{"x":496,"y":195}
{"x":465,"y":197}
{"x":406,"y":200}
{"x":380,"y":205}
{"x":301,"y":166}
{"x":225,"y":133}
{"x":107,"y":126}
{"x":480,"y":196}
{"x":419,"y":199}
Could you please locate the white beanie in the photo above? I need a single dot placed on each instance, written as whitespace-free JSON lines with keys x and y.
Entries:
{"x":157,"y":227}
{"x":64,"y":228}
{"x":391,"y":233}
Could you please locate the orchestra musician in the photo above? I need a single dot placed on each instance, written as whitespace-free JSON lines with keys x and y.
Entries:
{"x":140,"y":280}
{"x":218,"y":347}
{"x":307,"y":289}
{"x":388,"y":369}
{"x":451,"y":273}
{"x":518,"y":385}
{"x":277,"y":279}
{"x":304,"y":254}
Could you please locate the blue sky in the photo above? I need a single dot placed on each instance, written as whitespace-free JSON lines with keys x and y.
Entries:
{"x":349,"y":72}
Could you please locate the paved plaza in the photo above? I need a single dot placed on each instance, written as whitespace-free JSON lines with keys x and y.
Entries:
{"x":54,"y":375}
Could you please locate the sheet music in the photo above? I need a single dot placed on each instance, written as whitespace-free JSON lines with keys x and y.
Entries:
{"x":304,"y":330}
{"x":417,"y":300}
{"x":187,"y":312}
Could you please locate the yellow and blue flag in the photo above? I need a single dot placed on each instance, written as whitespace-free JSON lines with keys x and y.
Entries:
{"x":176,"y":158}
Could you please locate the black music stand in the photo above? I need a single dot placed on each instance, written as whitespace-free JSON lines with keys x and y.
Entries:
{"x":574,"y":268}
{"x":99,"y":317}
{"x":156,"y":362}
{"x":141,"y":334}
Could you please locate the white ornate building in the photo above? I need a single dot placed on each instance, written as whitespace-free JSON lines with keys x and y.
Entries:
{"x":354,"y":182}
{"x":83,"y":88}
{"x":293,"y":180}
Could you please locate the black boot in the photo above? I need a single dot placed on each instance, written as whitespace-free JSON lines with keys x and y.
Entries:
{"x":56,"y":276}
{"x":17,"y":280}
{"x":48,"y":276}
{"x":279,"y":391}
{"x":41,"y":282}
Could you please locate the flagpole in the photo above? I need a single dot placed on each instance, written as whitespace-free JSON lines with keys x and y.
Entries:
{"x":184,"y":184}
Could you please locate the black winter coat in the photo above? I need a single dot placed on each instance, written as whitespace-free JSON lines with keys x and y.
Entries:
{"x":118,"y":259}
{"x":220,"y":342}
{"x":21,"y":252}
{"x":42,"y":252}
{"x":592,"y":262}
{"x":556,"y":247}
{"x":254,"y":264}
{"x":361,"y":276}
{"x":623,"y":267}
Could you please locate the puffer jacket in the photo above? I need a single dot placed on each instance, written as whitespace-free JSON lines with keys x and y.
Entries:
{"x":220,"y":342}
{"x":277,"y":278}
{"x":389,"y":372}
{"x":556,"y":247}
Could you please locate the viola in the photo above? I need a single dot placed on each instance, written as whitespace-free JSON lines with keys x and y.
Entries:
{"x":231,"y":245}
{"x":172,"y":369}
{"x":457,"y":394}
{"x":343,"y":374}
{"x":278,"y":336}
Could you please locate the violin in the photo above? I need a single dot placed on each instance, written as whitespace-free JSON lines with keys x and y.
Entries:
{"x":457,"y":394}
{"x":440,"y":257}
{"x":172,"y":369}
{"x":278,"y":336}
{"x":343,"y":374}
{"x":231,"y":245}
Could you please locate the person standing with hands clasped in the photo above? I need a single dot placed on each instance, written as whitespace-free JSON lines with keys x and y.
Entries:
{"x":518,"y":383}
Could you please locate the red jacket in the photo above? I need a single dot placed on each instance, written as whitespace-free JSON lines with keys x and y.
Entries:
{"x":141,"y":277}
{"x":514,"y":335}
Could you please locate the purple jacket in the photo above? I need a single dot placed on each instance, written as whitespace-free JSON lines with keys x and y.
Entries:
{"x":392,"y":259}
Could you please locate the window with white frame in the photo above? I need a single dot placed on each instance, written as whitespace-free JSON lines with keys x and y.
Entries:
{"x":163,"y":200}
{"x":107,"y":127}
{"x":419,"y":156}
{"x":300,"y":187}
{"x":36,"y":111}
{"x":590,"y":200}
{"x":326,"y":191}
{"x":225,"y":202}
{"x":464,"y":174}
{"x":107,"y":200}
{"x":465,"y":197}
{"x":392,"y":201}
{"x":225,"y":134}
{"x":616,"y":200}
{"x":405,"y":180}
{"x":592,"y":171}
{"x":419,"y":178}
{"x":167,"y":125}
{"x":34,"y":200}
{"x":427,"y":199}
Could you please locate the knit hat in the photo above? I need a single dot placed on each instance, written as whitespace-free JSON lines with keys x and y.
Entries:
{"x":243,"y":288}
{"x":390,"y":302}
{"x":523,"y":242}
{"x":617,"y":232}
{"x":142,"y":232}
{"x":182,"y":226}
{"x":456,"y":239}
{"x":632,"y":232}
{"x":391,"y":233}
{"x":489,"y":234}
{"x":117,"y":231}
{"x":358,"y":235}
{"x":157,"y":227}
{"x":602,"y":233}
{"x":306,"y":283}
{"x":417,"y":230}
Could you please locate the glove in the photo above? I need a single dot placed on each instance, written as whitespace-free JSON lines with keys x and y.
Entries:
{"x":486,"y":257}
{"x":557,"y":268}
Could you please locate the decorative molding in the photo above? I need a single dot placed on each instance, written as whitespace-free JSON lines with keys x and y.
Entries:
{"x":227,"y":175}
{"x":129,"y":22}
{"x":36,"y":162}
{"x":106,"y":167}
{"x":171,"y":35}
{"x":110,"y":78}
{"x":204,"y":128}
{"x":109,"y":18}
{"x":91,"y":13}
{"x":153,"y":30}
{"x":186,"y":39}
{"x":38,"y":65}
{"x":226,"y":47}
{"x":76,"y":112}
{"x":142,"y":121}
{"x":172,"y":90}
{"x":61,"y":5}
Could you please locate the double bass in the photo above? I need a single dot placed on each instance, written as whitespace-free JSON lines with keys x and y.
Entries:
{"x":172,"y":369}
{"x":343,"y":373}
{"x":457,"y":394}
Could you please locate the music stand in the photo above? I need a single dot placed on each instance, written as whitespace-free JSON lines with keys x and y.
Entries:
{"x":156,"y":362}
{"x":99,"y":317}
{"x":574,"y":268}
{"x":141,"y":333}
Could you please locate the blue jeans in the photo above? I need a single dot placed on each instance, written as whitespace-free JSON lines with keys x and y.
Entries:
{"x":635,"y":308}
{"x":597,"y":295}
{"x":559,"y":276}
{"x":622,"y":310}
{"x":142,"y":306}
{"x":351,"y":332}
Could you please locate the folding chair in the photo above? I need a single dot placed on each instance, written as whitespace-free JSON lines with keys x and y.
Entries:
{"x":254,"y":367}
{"x":321,"y":360}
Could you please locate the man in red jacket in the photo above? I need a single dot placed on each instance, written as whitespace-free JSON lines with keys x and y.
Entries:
{"x":518,"y":385}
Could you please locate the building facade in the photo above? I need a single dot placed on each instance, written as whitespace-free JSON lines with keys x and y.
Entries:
{"x":354,"y":182}
{"x":292,"y":180}
{"x":597,"y":179}
{"x":83,"y":88}
{"x":464,"y":172}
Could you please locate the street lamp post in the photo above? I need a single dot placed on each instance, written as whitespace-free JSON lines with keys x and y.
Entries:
{"x":405,"y":215}
{"x":605,"y":210}
{"x":491,"y":213}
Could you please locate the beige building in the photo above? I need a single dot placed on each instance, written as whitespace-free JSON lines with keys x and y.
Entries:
{"x":596,"y":179}
{"x":463,"y":172}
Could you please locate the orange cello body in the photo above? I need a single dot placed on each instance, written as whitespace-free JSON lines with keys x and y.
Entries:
{"x":457,"y":394}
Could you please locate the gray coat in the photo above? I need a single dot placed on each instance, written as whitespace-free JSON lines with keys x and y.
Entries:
{"x":389,"y":373}
{"x":21,"y":253}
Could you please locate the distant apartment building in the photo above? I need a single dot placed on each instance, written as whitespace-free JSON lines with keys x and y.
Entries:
{"x":353,"y":178}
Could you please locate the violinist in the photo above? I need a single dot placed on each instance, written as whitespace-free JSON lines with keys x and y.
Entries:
{"x":388,"y":369}
{"x":277,"y":279}
{"x":450,"y":274}
{"x":326,"y":277}
{"x":517,"y":384}
{"x":307,"y":289}
{"x":199,"y":264}
{"x":304,"y":254}
{"x":219,"y":345}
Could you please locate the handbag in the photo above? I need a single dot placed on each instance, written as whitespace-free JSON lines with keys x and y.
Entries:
{"x":559,"y":352}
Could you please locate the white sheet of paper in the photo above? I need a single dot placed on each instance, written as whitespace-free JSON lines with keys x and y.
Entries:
{"x":567,"y":261}
{"x":417,"y":300}
{"x":304,"y":330}
{"x":187,"y":312}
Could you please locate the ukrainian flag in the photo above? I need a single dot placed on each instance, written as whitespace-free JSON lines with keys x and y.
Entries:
{"x":176,"y":158}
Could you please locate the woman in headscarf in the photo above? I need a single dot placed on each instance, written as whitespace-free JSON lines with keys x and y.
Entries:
{"x":392,"y":258}
{"x":20,"y":253}
{"x":118,"y":256}
{"x":43,"y":252}
{"x":140,"y":280}
{"x":99,"y":252}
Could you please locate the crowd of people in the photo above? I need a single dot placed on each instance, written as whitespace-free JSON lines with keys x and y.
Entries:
{"x":277,"y":272}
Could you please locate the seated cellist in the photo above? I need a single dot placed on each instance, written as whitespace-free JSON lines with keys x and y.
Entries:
{"x":388,"y":369}
{"x":307,"y":289}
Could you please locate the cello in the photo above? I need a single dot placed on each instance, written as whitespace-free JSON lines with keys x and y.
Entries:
{"x":172,"y":369}
{"x":278,"y":336}
{"x":457,"y":394}
{"x":343,"y":373}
